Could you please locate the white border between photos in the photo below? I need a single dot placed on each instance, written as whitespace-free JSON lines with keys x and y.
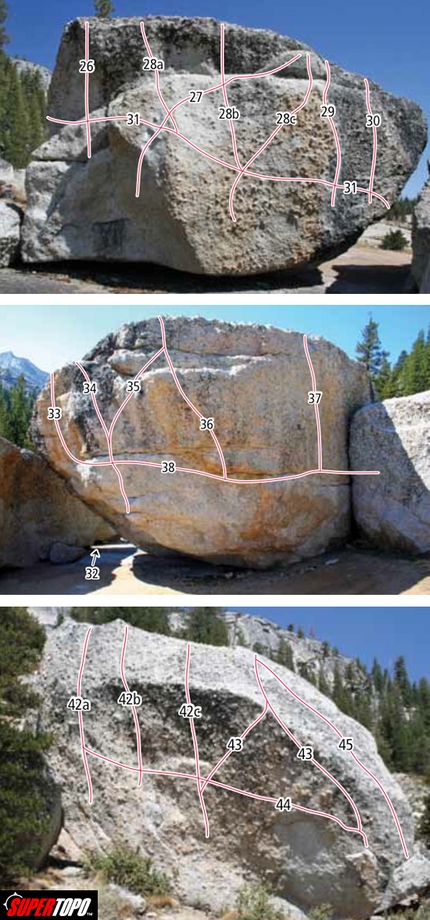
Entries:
{"x":229,"y":601}
{"x":219,"y":299}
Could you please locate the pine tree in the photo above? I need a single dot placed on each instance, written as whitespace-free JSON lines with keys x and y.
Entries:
{"x":284,"y":655}
{"x":323,"y":684}
{"x":104,"y":8}
{"x":207,"y":625}
{"x":300,"y":633}
{"x":401,"y":680}
{"x":291,"y":627}
{"x":369,"y":350}
{"x":424,"y":825}
{"x":4,"y":9}
{"x":150,"y":619}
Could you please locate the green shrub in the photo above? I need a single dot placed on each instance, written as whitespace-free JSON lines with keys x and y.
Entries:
{"x":322,"y":912}
{"x":423,"y":830}
{"x":253,"y":903}
{"x":126,"y":867}
{"x":151,"y":619}
{"x":394,"y":239}
{"x":24,"y":787}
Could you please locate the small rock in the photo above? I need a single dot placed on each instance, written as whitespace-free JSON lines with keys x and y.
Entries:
{"x":62,"y":553}
{"x":10,"y":228}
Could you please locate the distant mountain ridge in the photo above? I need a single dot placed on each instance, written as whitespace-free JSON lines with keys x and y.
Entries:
{"x":12,"y":367}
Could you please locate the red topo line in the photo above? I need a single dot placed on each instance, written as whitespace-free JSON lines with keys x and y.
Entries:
{"x":87,"y":89}
{"x":269,"y":140}
{"x":157,"y":78}
{"x":316,"y":406}
{"x":133,"y":708}
{"x":375,"y":142}
{"x":298,"y":744}
{"x":224,"y":92}
{"x":335,"y":135}
{"x":388,"y":800}
{"x":227,"y":755}
{"x":188,"y":401}
{"x":81,"y":718}
{"x":195,"y":742}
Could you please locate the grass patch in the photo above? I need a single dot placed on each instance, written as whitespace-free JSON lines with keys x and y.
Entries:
{"x":127,"y":868}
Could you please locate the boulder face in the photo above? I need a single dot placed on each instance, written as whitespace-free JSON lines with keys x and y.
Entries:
{"x":393,"y":510}
{"x":38,"y":511}
{"x":307,"y":859}
{"x":421,"y":240}
{"x":10,"y":226}
{"x":87,"y":209}
{"x":253,"y":382}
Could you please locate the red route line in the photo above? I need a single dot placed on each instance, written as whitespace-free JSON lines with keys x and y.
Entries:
{"x":157,"y":78}
{"x":81,"y":718}
{"x":195,"y":742}
{"x":340,"y":735}
{"x":87,"y":89}
{"x":133,"y":708}
{"x":224,"y":92}
{"x":202,"y":782}
{"x":335,"y":135}
{"x":188,"y":401}
{"x":224,"y":478}
{"x":375,"y":142}
{"x":269,"y":140}
{"x":298,"y":744}
{"x":316,"y":406}
{"x":169,"y":116}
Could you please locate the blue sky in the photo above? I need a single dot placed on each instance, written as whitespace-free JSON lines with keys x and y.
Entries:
{"x":364,"y":632}
{"x":54,"y":335}
{"x":383,"y":40}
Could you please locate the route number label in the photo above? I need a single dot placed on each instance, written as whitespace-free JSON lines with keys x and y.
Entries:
{"x":88,"y":387}
{"x":168,"y":466}
{"x":286,"y":118}
{"x":305,"y":753}
{"x":347,"y":744}
{"x":133,"y":118}
{"x":235,"y":745}
{"x":349,"y":188}
{"x":130,"y":699}
{"x":196,"y":95}
{"x":284,"y":805}
{"x":207,"y":424}
{"x":78,"y":704}
{"x":132,"y":386}
{"x":373,"y":121}
{"x":314,"y":397}
{"x":87,"y":66}
{"x":231,"y":112}
{"x":152,"y":64}
{"x":328,"y":111}
{"x":92,"y":573}
{"x":188,"y":711}
{"x":54,"y":412}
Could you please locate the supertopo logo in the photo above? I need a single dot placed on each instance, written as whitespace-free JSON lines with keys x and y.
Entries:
{"x":49,"y":904}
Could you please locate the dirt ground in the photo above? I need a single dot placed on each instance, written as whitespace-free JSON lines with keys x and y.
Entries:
{"x":125,"y":570}
{"x":364,"y":269}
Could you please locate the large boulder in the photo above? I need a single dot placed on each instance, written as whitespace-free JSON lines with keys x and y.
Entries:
{"x":421,"y":240}
{"x":37,"y":510}
{"x":308,"y":859}
{"x":87,"y":209}
{"x":393,"y":510}
{"x":10,"y":226}
{"x":254,"y":382}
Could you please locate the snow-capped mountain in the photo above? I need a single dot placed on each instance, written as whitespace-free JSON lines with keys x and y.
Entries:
{"x":12,"y":367}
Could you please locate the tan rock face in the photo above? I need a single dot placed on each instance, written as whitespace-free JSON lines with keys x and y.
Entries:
{"x":254,"y":382}
{"x":38,"y":510}
{"x":82,"y":208}
{"x":393,"y":510}
{"x":306,"y":858}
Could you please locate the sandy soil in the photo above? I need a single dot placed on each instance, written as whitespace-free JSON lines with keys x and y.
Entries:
{"x":125,"y":570}
{"x":364,"y":269}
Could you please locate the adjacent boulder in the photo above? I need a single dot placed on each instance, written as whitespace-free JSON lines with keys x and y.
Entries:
{"x":421,"y":240}
{"x":254,"y":382}
{"x":87,"y":209}
{"x":307,"y":859}
{"x":393,"y":510}
{"x":37,"y":509}
{"x":10,"y":226}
